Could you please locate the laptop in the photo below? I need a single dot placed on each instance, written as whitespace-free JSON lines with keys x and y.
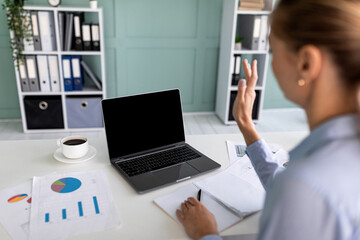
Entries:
{"x":146,"y":140}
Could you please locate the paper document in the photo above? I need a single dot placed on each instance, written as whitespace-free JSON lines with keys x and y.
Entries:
{"x":238,"y":187}
{"x":15,"y":205}
{"x":71,"y":203}
{"x":237,"y":150}
{"x":171,"y":202}
{"x":229,"y":195}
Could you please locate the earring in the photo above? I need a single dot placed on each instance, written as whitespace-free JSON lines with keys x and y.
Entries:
{"x":301,"y":82}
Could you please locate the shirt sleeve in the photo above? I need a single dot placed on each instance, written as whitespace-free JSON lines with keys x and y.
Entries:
{"x":295,"y":210}
{"x":211,"y":237}
{"x":264,"y":162}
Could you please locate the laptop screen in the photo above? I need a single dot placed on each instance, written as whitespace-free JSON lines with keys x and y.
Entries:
{"x":142,"y":122}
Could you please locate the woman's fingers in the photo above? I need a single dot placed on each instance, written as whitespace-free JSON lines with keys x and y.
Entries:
{"x":254,"y":76}
{"x":193,"y":201}
{"x":180,"y":215}
{"x":247,"y":68}
{"x":241,"y":89}
{"x":251,"y":73}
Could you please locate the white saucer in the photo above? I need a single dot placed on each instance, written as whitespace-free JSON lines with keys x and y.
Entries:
{"x":89,"y":155}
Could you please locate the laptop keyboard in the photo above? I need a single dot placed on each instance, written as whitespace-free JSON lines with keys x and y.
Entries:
{"x":157,"y":161}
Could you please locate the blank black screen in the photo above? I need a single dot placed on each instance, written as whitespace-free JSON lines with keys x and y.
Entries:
{"x":142,"y":122}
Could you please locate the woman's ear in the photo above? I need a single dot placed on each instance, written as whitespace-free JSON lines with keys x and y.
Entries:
{"x":309,"y":63}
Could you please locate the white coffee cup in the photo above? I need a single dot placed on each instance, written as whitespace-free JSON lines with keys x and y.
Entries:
{"x":73,"y":146}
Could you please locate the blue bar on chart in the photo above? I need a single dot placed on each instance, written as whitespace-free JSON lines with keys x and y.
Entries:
{"x":80,"y":209}
{"x":96,"y":205}
{"x":47,"y":217}
{"x":64,"y":213}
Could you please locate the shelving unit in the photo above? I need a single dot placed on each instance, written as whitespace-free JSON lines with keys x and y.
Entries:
{"x":233,"y":23}
{"x":88,"y":90}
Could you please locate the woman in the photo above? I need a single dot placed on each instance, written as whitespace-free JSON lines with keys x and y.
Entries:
{"x":316,"y":60}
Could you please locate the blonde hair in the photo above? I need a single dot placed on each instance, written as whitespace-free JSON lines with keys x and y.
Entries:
{"x":331,"y":24}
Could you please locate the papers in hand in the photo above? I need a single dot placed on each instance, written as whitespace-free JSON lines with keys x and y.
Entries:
{"x":229,"y":195}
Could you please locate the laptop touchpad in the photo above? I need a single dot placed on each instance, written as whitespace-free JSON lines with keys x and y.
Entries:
{"x":177,"y":172}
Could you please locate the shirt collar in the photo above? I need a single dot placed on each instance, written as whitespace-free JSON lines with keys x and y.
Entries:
{"x":344,"y":126}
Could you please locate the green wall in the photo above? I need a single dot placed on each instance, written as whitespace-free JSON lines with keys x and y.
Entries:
{"x":150,"y":45}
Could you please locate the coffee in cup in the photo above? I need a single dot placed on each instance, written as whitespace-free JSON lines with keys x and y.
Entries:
{"x":73,"y":146}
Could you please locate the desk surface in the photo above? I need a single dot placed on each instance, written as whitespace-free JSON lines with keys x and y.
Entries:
{"x":140,"y":217}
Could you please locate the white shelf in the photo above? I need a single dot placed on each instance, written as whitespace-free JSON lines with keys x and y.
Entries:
{"x":247,"y":51}
{"x":248,"y":12}
{"x":229,"y":29}
{"x":96,"y":53}
{"x":84,"y":92}
{"x":40,"y":53}
{"x":62,"y":9}
{"x":40,"y":93}
{"x":235,"y":88}
{"x":65,"y":95}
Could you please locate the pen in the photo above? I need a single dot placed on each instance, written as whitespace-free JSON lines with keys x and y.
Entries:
{"x":199,"y":195}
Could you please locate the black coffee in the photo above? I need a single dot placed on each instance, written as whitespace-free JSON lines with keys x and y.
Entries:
{"x":74,"y":142}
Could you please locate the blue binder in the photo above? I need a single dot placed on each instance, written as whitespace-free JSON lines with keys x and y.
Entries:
{"x":67,"y":73}
{"x":77,"y":73}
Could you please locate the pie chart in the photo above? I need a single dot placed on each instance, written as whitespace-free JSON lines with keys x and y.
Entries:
{"x":66,"y":185}
{"x":17,"y":198}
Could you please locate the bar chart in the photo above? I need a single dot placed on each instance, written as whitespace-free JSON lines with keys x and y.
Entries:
{"x":95,"y":209}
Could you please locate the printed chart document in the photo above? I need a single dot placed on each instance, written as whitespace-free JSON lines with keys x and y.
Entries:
{"x":70,"y":204}
{"x":15,"y":205}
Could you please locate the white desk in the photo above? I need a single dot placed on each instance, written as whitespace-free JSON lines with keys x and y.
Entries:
{"x":140,"y":217}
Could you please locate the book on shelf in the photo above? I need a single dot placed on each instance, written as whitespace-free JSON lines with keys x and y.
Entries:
{"x":254,"y":5}
{"x":91,"y":75}
{"x":43,"y":72}
{"x":24,"y":80}
{"x":67,"y":73}
{"x":28,"y":42}
{"x":250,"y":31}
{"x":72,"y":73}
{"x":47,"y":30}
{"x":95,"y":37}
{"x":76,"y":34}
{"x":76,"y":73}
{"x":86,"y":36}
{"x":31,"y":67}
{"x":236,"y":65}
{"x":54,"y":73}
{"x":35,"y":30}
{"x":78,"y":44}
{"x":69,"y":18}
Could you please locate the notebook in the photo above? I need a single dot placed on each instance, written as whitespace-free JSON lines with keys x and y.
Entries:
{"x":146,"y":140}
{"x":230,"y":195}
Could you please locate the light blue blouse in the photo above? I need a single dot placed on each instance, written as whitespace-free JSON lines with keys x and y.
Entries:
{"x":318,"y":195}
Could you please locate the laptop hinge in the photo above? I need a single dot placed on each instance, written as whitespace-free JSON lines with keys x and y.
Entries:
{"x":143,"y":153}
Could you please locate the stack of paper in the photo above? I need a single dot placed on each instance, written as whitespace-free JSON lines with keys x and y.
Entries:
{"x":57,"y":206}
